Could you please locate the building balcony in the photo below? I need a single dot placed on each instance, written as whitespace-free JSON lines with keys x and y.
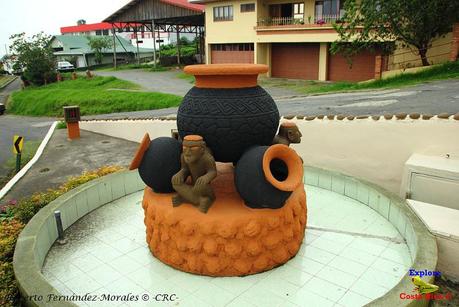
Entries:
{"x":271,"y":23}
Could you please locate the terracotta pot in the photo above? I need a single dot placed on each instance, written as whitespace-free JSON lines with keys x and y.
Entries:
{"x":160,"y":161}
{"x":228,"y":109}
{"x":266,"y":176}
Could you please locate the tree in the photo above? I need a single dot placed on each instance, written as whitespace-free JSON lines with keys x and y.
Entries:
{"x":97,"y":45}
{"x":34,"y":57}
{"x":414,"y":23}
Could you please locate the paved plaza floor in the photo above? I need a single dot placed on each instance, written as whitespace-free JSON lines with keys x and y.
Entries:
{"x":350,"y":256}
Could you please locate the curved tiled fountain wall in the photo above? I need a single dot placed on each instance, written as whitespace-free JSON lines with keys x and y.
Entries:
{"x":422,"y":245}
{"x":40,"y":233}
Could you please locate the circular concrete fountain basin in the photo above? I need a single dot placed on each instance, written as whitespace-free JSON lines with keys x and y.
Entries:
{"x":359,"y":244}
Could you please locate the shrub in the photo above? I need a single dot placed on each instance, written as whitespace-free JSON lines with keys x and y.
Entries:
{"x":28,"y":207}
{"x":9,"y":292}
{"x":61,"y":125}
{"x":9,"y":232}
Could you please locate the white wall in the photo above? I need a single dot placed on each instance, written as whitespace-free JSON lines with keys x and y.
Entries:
{"x":373,"y":150}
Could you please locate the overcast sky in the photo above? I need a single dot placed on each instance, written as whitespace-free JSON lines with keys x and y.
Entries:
{"x":33,"y":16}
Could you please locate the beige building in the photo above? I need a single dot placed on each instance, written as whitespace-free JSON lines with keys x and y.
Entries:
{"x":294,"y":38}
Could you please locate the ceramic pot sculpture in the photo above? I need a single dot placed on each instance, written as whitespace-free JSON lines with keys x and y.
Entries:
{"x":228,"y":109}
{"x":266,"y":176}
{"x":158,"y":161}
{"x":225,"y":219}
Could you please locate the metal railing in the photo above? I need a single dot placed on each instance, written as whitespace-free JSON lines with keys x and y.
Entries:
{"x":311,"y":20}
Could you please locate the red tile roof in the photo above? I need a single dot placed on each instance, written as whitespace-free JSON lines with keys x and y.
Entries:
{"x":185,"y":4}
{"x":87,"y":27}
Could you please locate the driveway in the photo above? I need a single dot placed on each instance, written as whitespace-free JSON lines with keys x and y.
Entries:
{"x":161,"y":81}
{"x":7,"y":90}
{"x":429,"y":98}
{"x":168,"y":82}
{"x":31,"y":128}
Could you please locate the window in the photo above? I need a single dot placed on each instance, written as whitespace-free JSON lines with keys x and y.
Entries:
{"x":232,"y":47}
{"x":98,"y":32}
{"x":105,"y":32}
{"x":247,"y":7}
{"x":223,"y":13}
{"x":298,"y":10}
{"x":326,"y":9}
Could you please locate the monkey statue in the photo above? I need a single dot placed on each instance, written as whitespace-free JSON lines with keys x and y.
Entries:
{"x":198,"y":163}
{"x":288,"y":133}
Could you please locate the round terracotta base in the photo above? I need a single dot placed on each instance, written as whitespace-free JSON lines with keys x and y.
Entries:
{"x":231,"y":239}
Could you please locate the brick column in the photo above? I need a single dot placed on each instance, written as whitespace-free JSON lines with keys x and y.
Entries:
{"x":455,"y":43}
{"x":378,"y":67}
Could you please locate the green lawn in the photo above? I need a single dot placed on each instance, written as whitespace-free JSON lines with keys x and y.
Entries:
{"x":95,"y":96}
{"x":446,"y":71}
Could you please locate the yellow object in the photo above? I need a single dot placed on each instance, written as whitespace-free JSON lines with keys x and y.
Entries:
{"x":18,"y":143}
{"x":247,"y":27}
{"x":422,"y":286}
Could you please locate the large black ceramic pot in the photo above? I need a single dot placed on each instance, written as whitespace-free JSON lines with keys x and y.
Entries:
{"x":158,"y":160}
{"x":228,"y":109}
{"x":266,"y":176}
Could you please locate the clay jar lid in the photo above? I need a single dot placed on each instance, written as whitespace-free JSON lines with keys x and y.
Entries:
{"x":226,"y":75}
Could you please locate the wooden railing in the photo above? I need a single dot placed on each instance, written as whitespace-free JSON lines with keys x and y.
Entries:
{"x":282,"y":21}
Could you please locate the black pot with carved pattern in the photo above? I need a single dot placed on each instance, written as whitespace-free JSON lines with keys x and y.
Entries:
{"x":228,"y":109}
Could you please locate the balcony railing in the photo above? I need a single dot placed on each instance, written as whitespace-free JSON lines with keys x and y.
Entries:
{"x":284,"y":21}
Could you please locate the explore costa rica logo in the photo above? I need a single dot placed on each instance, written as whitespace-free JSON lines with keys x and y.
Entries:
{"x":424,"y":290}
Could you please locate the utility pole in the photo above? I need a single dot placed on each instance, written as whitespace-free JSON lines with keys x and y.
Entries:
{"x":178,"y":45}
{"x":154,"y":41}
{"x":114,"y":46}
{"x":137,"y":44}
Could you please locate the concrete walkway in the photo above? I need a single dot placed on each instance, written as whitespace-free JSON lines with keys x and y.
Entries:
{"x":63,"y":158}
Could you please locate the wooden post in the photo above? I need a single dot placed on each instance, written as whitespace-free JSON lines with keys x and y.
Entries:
{"x":114,"y":46}
{"x":154,"y":41}
{"x":178,"y":45}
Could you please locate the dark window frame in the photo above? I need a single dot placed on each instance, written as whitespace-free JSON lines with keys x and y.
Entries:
{"x":247,"y":7}
{"x":233,"y":47}
{"x":223,"y":13}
